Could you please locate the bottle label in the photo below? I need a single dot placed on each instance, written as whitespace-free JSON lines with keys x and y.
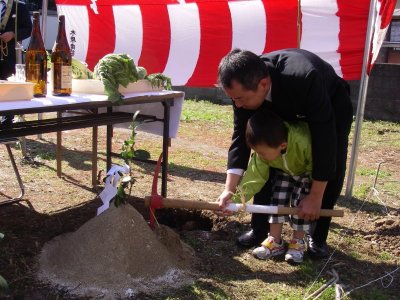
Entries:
{"x":66,"y":77}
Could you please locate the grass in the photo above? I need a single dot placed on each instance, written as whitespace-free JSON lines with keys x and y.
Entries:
{"x":392,"y":188}
{"x":374,"y":134}
{"x":355,"y":254}
{"x":200,"y":110}
{"x":385,"y":256}
{"x":372,"y":172}
{"x":197,"y":170}
{"x":46,"y":156}
{"x":213,"y":118}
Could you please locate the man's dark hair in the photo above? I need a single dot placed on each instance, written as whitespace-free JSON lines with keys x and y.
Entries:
{"x":243,"y":66}
{"x":266,"y":127}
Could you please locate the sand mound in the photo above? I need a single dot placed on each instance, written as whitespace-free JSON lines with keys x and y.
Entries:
{"x":116,"y":254}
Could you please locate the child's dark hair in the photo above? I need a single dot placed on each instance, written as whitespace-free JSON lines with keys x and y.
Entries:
{"x":266,"y":127}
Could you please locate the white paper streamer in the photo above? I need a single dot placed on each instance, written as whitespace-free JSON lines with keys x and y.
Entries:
{"x":110,"y":189}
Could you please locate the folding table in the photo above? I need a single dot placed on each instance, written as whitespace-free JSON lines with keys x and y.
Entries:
{"x":161,"y":107}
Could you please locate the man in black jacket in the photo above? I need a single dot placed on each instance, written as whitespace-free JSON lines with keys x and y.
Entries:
{"x":297,"y":85}
{"x":10,"y":16}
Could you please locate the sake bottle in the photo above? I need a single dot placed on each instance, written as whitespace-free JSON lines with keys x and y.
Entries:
{"x":36,"y":60}
{"x":61,"y":68}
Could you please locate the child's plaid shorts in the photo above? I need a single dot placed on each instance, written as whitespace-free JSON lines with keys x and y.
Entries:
{"x":289,"y":190}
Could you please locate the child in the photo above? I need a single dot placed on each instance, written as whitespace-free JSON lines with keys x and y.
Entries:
{"x":286,"y":147}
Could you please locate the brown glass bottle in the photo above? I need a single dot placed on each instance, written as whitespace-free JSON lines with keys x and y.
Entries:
{"x":36,"y":60}
{"x":61,"y":68}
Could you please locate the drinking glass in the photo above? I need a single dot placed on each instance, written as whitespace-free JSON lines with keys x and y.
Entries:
{"x":20,"y":72}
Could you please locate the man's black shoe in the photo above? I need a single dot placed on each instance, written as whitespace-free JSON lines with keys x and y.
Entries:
{"x":315,"y":249}
{"x":250,"y":239}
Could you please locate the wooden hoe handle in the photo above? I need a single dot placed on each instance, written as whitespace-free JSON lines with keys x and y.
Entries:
{"x":203,"y":205}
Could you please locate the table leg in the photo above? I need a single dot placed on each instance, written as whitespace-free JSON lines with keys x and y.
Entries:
{"x":94,"y":152}
{"x":164,"y":171}
{"x":109,"y":142}
{"x":58,"y":149}
{"x":23,"y":140}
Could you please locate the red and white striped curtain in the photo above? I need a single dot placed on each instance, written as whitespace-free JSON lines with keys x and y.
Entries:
{"x":186,"y":40}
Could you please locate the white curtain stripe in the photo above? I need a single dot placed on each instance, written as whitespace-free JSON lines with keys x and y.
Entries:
{"x":78,"y":20}
{"x":379,"y":34}
{"x":321,"y":15}
{"x":128,"y":30}
{"x":185,"y":44}
{"x":249,"y":25}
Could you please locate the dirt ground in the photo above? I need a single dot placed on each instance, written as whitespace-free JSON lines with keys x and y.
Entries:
{"x":365,"y":243}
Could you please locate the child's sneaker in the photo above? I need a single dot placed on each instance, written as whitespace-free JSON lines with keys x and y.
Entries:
{"x":295,"y":252}
{"x":269,"y":248}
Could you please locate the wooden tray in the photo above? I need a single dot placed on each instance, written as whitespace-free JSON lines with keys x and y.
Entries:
{"x":94,"y":86}
{"x":15,"y":91}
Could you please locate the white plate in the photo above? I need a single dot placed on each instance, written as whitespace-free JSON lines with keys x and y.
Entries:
{"x":16,"y":91}
{"x":94,"y":86}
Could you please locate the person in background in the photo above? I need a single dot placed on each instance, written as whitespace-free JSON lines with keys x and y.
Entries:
{"x":287,"y":148}
{"x":297,"y":85}
{"x":12,"y":12}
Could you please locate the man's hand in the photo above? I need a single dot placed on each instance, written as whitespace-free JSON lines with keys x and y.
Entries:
{"x":7,"y":36}
{"x":309,"y":208}
{"x":232,"y":181}
{"x":223,"y":200}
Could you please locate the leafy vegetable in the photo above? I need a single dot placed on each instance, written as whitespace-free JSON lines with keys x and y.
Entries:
{"x":119,"y":69}
{"x":48,"y":57}
{"x":80,"y":70}
{"x":113,"y":70}
{"x":159,"y":80}
{"x":142,"y":72}
{"x":127,"y":154}
{"x":128,"y":150}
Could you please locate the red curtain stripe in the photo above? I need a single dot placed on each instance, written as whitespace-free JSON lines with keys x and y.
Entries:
{"x":215,"y":34}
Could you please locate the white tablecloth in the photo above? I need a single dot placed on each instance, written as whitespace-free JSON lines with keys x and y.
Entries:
{"x":151,"y":108}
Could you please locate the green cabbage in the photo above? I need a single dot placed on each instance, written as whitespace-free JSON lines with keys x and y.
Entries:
{"x":113,"y":70}
{"x":142,"y":72}
{"x":80,"y":70}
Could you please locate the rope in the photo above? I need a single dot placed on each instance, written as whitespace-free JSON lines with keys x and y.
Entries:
{"x":4,"y":45}
{"x":3,"y":49}
{"x":4,"y":20}
{"x":372,"y":281}
{"x":16,"y":21}
{"x":373,"y":192}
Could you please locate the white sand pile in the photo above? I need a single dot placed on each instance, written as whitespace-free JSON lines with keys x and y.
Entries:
{"x":116,"y":255}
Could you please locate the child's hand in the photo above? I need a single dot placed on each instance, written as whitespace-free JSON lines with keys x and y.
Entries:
{"x":223,"y":200}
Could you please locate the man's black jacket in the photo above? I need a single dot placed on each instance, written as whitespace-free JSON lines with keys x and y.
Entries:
{"x":304,"y":87}
{"x":24,"y":29}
